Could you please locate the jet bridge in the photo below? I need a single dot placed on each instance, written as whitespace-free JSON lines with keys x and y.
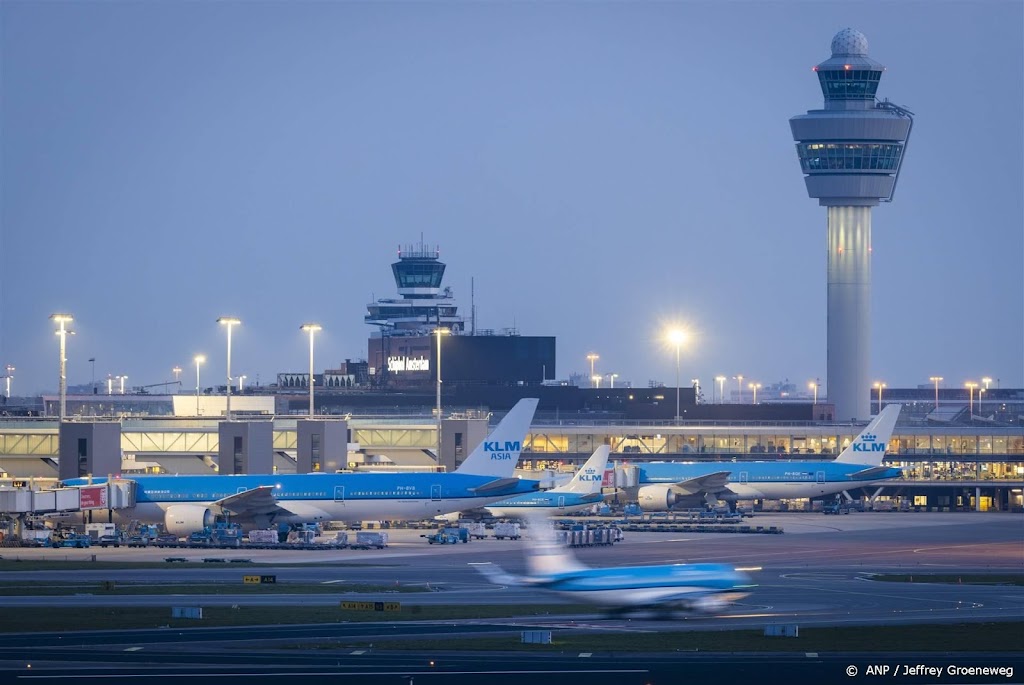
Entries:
{"x":117,"y":493}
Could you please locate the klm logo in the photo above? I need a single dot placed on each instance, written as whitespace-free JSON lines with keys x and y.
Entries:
{"x":590,"y":476}
{"x":501,"y":452}
{"x":868,"y":444}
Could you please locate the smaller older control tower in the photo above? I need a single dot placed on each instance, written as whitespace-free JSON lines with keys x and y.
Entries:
{"x":851,"y":153}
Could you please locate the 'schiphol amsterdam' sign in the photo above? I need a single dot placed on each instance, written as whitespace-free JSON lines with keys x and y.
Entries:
{"x":397,"y":364}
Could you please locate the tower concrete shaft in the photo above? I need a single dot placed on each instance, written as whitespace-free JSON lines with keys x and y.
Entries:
{"x":851,"y":153}
{"x":849,"y":309}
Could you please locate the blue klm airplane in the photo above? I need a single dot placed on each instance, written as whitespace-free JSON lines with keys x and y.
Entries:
{"x":188,"y":503}
{"x":705,"y":588}
{"x":666,"y":484}
{"x":579,"y":493}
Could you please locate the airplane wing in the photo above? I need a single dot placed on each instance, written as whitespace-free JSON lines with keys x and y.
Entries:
{"x":255,"y":502}
{"x":711,"y":482}
{"x":868,"y":473}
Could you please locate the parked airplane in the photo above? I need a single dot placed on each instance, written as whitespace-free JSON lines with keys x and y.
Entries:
{"x":579,"y":493}
{"x":189,"y":503}
{"x":665,"y":484}
{"x":551,"y":566}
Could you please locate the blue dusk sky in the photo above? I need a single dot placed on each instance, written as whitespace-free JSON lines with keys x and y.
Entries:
{"x":601,"y":169}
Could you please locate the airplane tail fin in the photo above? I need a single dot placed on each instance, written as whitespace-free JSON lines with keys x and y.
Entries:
{"x":589,"y":478}
{"x":496,"y":574}
{"x":868,"y":448}
{"x":499,"y":453}
{"x":545,"y":554}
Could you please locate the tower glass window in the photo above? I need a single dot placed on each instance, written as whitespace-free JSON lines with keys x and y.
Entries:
{"x":849,"y":84}
{"x":817,"y":157}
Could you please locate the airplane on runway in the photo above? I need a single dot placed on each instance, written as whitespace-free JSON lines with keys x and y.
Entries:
{"x":705,"y":588}
{"x":185,"y":504}
{"x":666,"y":484}
{"x":579,"y":493}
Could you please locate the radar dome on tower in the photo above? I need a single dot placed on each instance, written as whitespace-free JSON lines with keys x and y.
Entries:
{"x":849,"y":42}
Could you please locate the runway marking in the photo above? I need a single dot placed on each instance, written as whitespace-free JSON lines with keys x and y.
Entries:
{"x":331,"y":582}
{"x":133,"y":649}
{"x":586,"y":655}
{"x":357,"y":652}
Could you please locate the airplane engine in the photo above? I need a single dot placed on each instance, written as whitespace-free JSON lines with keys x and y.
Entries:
{"x":656,"y":497}
{"x":710,"y":605}
{"x":182,"y":519}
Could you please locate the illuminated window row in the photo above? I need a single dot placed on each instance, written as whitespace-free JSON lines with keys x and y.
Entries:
{"x":849,"y":156}
{"x":849,"y":84}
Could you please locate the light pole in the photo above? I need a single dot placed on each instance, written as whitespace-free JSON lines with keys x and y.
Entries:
{"x":8,"y":377}
{"x":310,"y":328}
{"x":198,"y":359}
{"x":177,"y":376}
{"x":754,"y":387}
{"x":596,"y":380}
{"x":677,"y":337}
{"x":721,"y":388}
{"x":92,"y":360}
{"x":813,"y":385}
{"x":739,"y":387}
{"x":970,"y":385}
{"x":593,"y":358}
{"x":440,"y":332}
{"x":935,"y":380}
{"x":980,"y":390}
{"x":880,"y":387}
{"x":122,"y":379}
{"x":63,"y":320}
{"x":986,"y":380}
{"x":241,"y":383}
{"x":611,"y":379}
{"x":228,"y":321}
{"x":110,"y":384}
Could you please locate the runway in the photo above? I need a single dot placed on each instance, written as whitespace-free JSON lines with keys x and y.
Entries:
{"x":818,"y":573}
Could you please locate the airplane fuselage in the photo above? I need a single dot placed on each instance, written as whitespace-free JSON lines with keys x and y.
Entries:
{"x":693,"y":585}
{"x":551,"y":503}
{"x":321,"y":497}
{"x":771,"y":480}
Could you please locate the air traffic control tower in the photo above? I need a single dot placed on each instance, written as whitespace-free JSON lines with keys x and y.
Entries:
{"x":850,"y":153}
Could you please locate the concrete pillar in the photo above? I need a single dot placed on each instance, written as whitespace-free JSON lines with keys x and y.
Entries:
{"x":321,"y":446}
{"x":459,"y":437}
{"x":84,"y":448}
{"x":977,"y":499}
{"x":245,"y":447}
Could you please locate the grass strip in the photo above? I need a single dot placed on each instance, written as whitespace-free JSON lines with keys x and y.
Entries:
{"x":954,"y":579}
{"x":963,"y":637}
{"x":23,"y":565}
{"x":109,"y":588}
{"x":69,"y":619}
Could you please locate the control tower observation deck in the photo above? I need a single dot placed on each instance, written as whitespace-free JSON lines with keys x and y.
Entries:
{"x":851,"y":153}
{"x":423,"y":306}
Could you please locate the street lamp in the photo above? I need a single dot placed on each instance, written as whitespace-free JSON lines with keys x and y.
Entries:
{"x":228,"y":321}
{"x":980,"y":390}
{"x":310,"y":328}
{"x":593,"y":358}
{"x":935,"y":380}
{"x":241,"y":383}
{"x":63,"y":320}
{"x":970,"y":385}
{"x":596,"y":380}
{"x":677,"y":337}
{"x":739,"y":387}
{"x":611,"y":379}
{"x":986,"y":381}
{"x":440,"y":332}
{"x":880,"y":387}
{"x":177,"y":376}
{"x":8,"y":377}
{"x":721,"y":388}
{"x":122,"y":379}
{"x":110,"y":384}
{"x":198,"y":359}
{"x":754,"y":387}
{"x":813,"y":385}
